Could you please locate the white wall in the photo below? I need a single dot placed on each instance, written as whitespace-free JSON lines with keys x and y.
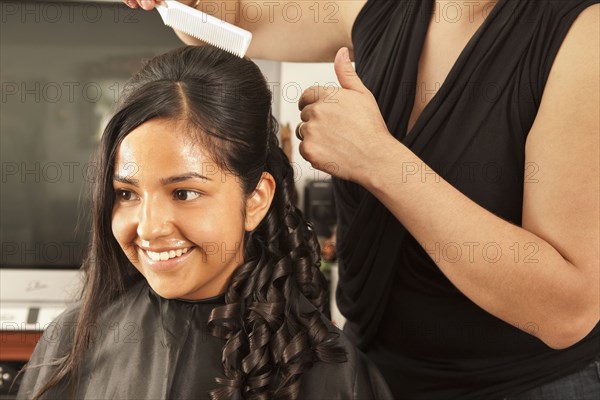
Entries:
{"x":272,"y":72}
{"x":294,"y":79}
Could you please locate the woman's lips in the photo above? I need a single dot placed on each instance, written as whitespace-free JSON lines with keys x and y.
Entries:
{"x":166,"y":259}
{"x":166,"y":255}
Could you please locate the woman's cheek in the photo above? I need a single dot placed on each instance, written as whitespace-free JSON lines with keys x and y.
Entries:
{"x":198,"y":228}
{"x":123,"y":227}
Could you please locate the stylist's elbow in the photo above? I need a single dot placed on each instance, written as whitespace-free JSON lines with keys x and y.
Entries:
{"x":576,"y":326}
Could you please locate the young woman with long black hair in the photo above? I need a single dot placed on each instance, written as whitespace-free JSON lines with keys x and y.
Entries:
{"x":202,"y":280}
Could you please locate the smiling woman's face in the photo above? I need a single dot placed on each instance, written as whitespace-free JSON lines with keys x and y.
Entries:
{"x":178,"y":218}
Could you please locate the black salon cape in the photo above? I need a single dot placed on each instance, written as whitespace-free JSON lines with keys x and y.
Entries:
{"x":147,"y":347}
{"x":426,"y":337}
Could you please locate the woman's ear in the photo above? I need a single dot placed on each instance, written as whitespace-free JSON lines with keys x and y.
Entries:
{"x":259,"y":201}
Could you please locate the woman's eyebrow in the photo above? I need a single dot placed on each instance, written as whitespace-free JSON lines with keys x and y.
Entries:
{"x":125,"y":179}
{"x":164,"y":181}
{"x":184,"y":177}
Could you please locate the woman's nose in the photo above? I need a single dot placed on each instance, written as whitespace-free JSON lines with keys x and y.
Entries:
{"x":154,"y":221}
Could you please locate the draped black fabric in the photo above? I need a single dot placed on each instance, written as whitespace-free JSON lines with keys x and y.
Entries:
{"x":148,"y":347}
{"x":428,"y":339}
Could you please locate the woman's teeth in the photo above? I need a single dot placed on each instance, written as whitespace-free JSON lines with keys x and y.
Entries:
{"x":166,"y":255}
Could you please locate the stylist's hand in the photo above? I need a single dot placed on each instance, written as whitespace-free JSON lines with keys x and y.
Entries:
{"x":343,"y":130}
{"x":149,"y":4}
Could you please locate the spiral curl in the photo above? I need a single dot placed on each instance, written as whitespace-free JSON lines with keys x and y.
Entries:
{"x":270,"y":341}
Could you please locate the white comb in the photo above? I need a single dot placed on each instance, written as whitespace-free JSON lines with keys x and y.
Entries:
{"x":205,"y":27}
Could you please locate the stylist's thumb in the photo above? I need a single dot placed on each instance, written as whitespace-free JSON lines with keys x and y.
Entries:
{"x":345,"y":72}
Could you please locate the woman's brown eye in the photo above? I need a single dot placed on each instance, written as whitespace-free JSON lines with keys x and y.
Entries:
{"x":125,"y":195}
{"x":184,"y":195}
{"x":181,"y":195}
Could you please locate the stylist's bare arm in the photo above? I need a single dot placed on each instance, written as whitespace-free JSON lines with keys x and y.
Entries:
{"x":305,"y":31}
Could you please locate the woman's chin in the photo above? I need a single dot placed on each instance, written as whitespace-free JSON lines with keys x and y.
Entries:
{"x":167,"y":291}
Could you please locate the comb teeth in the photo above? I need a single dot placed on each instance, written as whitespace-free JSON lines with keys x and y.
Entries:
{"x":204,"y":27}
{"x":202,"y":30}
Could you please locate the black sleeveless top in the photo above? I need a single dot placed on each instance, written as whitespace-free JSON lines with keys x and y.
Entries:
{"x":427,"y":338}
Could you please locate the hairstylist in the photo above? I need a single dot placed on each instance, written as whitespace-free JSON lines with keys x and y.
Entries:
{"x":467,"y":157}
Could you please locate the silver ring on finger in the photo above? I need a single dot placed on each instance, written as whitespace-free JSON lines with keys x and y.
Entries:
{"x":299,"y":134}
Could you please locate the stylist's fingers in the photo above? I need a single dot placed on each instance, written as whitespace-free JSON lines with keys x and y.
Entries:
{"x":315,"y":153}
{"x":144,"y":4}
{"x":306,"y":149}
{"x":315,"y":94}
{"x":307,"y":113}
{"x":150,"y":4}
{"x":346,"y":74}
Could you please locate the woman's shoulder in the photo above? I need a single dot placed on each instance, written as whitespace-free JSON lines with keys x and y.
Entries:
{"x":547,"y":23}
{"x":59,"y":333}
{"x":54,"y":344}
{"x":69,"y":315}
{"x":566,"y":4}
{"x":552,"y":14}
{"x":356,"y":378}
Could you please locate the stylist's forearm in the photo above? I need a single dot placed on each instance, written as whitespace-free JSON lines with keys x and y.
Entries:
{"x":536,"y":290}
{"x":288,"y":30}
